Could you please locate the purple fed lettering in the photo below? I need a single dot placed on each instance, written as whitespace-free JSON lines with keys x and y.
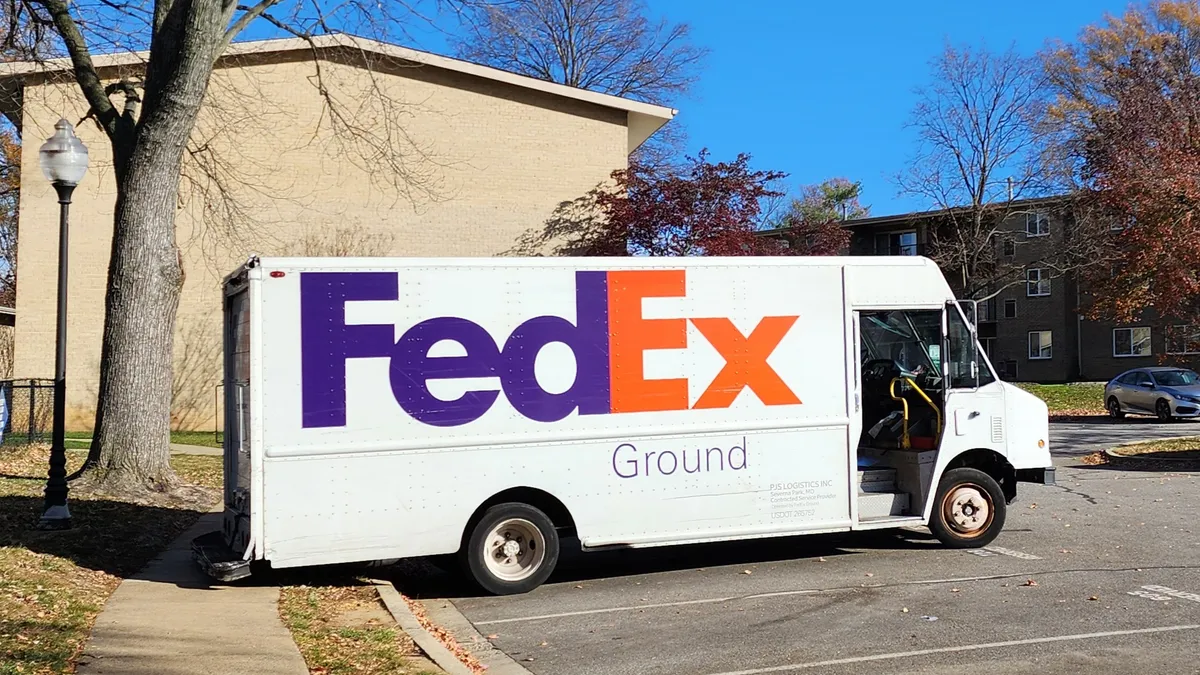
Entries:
{"x":412,"y":368}
{"x":587,"y":339}
{"x":326,"y":342}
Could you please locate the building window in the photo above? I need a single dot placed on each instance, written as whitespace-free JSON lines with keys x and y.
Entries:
{"x":1007,"y":370}
{"x":1129,"y":342}
{"x":896,"y":243}
{"x":1041,"y":345}
{"x":989,"y":346}
{"x":1010,"y":248}
{"x":1037,"y":283}
{"x":1010,"y":309}
{"x":985,"y":311}
{"x":1037,"y":224}
{"x":1183,"y":339}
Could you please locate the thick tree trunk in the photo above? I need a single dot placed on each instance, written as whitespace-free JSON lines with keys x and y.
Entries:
{"x":132,"y":437}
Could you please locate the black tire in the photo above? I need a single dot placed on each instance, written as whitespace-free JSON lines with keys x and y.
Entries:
{"x":529,"y":527}
{"x":973,"y":485}
{"x":1114,"y":408}
{"x":1162,"y":410}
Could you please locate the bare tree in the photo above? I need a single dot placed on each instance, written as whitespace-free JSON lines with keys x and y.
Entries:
{"x":149,"y":119}
{"x":978,"y":124}
{"x":609,"y":46}
{"x":341,"y":242}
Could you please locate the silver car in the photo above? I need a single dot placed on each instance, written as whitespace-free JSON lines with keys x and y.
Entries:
{"x":1167,"y":393}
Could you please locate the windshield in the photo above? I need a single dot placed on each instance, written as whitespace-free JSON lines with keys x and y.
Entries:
{"x":910,"y":338}
{"x":1176,"y":378}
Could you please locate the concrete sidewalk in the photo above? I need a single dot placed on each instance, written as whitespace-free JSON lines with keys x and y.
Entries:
{"x":181,"y":449}
{"x":169,"y":620}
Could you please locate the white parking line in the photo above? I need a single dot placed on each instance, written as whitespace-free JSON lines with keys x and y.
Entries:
{"x":1011,"y":553}
{"x":1164,"y":593}
{"x":960,"y":648}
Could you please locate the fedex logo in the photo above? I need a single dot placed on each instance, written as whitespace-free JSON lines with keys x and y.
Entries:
{"x":608,"y":338}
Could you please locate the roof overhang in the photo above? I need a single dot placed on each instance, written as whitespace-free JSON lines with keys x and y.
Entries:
{"x":642,"y":119}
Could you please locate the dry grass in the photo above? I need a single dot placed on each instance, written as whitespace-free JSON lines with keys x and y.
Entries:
{"x":346,"y":629}
{"x":53,"y":584}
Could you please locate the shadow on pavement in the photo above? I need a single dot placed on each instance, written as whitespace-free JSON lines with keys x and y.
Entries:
{"x":425,"y":579}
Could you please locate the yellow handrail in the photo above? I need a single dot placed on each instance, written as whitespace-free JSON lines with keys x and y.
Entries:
{"x":905,"y":441}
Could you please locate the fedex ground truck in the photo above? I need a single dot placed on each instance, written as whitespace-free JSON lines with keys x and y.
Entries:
{"x":487,"y":409}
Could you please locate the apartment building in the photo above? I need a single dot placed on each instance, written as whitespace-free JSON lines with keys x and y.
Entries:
{"x":1034,"y":331}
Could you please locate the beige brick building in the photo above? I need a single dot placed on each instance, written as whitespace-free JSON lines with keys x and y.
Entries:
{"x":353,"y":148}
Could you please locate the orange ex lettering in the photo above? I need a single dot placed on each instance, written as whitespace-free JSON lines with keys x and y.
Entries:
{"x":630,"y":335}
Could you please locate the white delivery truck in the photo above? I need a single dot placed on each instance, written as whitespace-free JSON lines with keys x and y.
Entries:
{"x":379,"y":409}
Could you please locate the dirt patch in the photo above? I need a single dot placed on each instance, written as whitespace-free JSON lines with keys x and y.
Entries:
{"x":344,"y":628}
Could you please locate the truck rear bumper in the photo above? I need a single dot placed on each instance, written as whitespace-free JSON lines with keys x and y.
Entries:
{"x":1041,"y":476}
{"x":217,"y":560}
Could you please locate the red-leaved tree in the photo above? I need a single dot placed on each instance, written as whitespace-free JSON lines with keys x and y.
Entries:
{"x":1143,"y":162}
{"x":704,"y":208}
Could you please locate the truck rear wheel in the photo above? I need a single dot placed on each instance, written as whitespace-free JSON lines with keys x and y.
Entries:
{"x":512,"y":549}
{"x":969,"y":510}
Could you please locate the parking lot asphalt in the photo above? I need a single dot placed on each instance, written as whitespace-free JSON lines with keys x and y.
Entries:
{"x":1100,"y":573}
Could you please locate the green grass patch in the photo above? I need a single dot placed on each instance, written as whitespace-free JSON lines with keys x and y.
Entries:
{"x":1080,"y":399}
{"x":53,"y":584}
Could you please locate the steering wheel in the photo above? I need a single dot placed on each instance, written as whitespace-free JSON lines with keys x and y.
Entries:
{"x":881,"y":370}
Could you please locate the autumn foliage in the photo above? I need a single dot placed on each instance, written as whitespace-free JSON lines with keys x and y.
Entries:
{"x":704,"y":208}
{"x":1131,"y":90}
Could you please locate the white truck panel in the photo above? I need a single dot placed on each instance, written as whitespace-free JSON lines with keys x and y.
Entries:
{"x":658,"y":401}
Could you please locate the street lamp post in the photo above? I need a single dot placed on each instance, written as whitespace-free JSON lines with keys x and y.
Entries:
{"x":64,"y":161}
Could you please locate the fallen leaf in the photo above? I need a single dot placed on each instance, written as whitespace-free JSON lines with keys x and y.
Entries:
{"x":954,"y":590}
{"x":869,"y":574}
{"x":747,"y":572}
{"x":1030,"y":582}
{"x":579,"y":586}
{"x":1093,"y":598}
{"x":544,"y":644}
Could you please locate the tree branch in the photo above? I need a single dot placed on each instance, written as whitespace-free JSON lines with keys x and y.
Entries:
{"x":85,"y":71}
{"x":249,"y":14}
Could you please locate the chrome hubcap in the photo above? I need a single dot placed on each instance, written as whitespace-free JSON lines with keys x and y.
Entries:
{"x":514,"y":549}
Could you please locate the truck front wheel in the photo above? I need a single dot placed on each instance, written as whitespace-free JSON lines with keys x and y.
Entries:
{"x":512,"y":549}
{"x":969,"y":510}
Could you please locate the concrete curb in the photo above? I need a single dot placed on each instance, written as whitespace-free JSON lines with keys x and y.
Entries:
{"x":1112,"y":454}
{"x":446,"y":615}
{"x":1139,"y":459}
{"x":429,"y":644}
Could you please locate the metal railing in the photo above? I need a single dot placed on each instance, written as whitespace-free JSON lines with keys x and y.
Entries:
{"x":30,"y":410}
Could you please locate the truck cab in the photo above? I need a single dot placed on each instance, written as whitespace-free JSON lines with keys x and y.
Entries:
{"x":932,"y":405}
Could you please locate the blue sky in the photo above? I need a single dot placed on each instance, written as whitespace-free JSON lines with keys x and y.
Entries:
{"x":820,"y":89}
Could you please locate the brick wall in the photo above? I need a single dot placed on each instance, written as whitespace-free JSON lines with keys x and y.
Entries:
{"x":486,"y":162}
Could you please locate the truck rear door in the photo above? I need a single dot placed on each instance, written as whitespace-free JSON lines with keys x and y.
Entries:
{"x":237,"y":417}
